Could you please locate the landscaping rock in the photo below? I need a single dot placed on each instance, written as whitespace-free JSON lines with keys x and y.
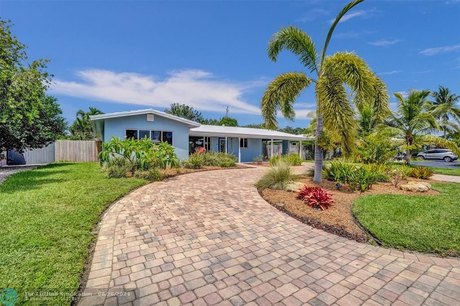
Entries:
{"x":416,"y":186}
{"x":294,"y":186}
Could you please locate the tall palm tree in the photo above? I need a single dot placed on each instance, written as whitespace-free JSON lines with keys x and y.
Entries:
{"x":332,"y":76}
{"x":82,"y":128}
{"x":413,"y":120}
{"x":445,"y":108}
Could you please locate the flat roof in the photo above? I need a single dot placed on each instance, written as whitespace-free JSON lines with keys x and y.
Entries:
{"x":142,"y":112}
{"x":243,"y":132}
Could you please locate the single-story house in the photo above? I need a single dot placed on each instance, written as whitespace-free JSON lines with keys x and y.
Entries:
{"x":186,"y":136}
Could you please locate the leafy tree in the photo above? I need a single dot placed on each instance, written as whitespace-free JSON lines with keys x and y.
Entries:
{"x":294,"y":130}
{"x":445,"y":108}
{"x":28,"y":117}
{"x":184,"y":111}
{"x":227,"y":121}
{"x":255,"y":125}
{"x":334,"y":109}
{"x":413,"y":120}
{"x":82,"y":128}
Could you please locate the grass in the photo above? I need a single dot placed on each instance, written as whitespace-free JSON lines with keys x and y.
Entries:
{"x":448,"y":171}
{"x":47,"y":216}
{"x":419,"y":223}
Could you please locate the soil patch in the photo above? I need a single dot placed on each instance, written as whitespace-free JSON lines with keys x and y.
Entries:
{"x":339,"y":218}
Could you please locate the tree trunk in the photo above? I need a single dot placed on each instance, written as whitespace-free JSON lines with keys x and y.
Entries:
{"x":318,"y":151}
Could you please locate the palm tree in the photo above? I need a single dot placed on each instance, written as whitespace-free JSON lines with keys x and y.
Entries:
{"x":413,"y":120}
{"x":82,"y":127}
{"x":445,"y":107}
{"x":334,"y":108}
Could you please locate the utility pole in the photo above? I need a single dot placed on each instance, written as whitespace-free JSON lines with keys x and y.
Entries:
{"x":226,"y":111}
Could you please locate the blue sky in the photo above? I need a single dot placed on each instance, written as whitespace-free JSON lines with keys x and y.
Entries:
{"x":124,"y":55}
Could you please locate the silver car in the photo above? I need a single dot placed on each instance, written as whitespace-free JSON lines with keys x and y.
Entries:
{"x":444,"y":154}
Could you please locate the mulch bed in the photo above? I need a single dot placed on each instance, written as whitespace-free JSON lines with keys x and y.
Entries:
{"x":339,"y":218}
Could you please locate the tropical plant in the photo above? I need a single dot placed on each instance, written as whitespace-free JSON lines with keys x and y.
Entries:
{"x":82,"y":128}
{"x":355,"y":176}
{"x":143,"y":154}
{"x":334,"y":75}
{"x":119,"y":167}
{"x":315,"y":197}
{"x":213,"y":159}
{"x":421,"y":173}
{"x":152,"y":174}
{"x":445,"y":108}
{"x":415,"y":118}
{"x":184,"y":111}
{"x":291,"y":159}
{"x":194,"y":161}
{"x":376,"y":148}
{"x":277,"y":177}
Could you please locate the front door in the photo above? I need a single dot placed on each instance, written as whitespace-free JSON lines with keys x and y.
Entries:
{"x":222,"y":144}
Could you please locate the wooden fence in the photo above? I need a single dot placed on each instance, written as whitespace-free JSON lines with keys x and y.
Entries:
{"x":77,"y":150}
{"x":59,"y":151}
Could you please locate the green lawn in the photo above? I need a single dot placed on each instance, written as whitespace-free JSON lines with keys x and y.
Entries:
{"x":47,"y":218}
{"x":448,"y":171}
{"x":419,"y":223}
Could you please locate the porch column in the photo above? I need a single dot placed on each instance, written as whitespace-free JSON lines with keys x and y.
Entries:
{"x":271,"y":148}
{"x":300,"y":149}
{"x":239,"y":149}
{"x":204,"y":144}
{"x":226,"y":145}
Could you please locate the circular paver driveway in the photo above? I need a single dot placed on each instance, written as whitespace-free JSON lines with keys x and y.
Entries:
{"x":209,"y":238}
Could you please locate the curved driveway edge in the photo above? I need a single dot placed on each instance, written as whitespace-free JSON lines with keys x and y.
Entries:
{"x":209,"y":238}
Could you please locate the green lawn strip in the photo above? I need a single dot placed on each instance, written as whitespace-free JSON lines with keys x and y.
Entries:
{"x":47,"y":217}
{"x":415,"y":222}
{"x":447,"y":171}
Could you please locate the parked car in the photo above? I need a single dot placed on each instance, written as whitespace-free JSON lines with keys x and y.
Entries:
{"x":443,"y":154}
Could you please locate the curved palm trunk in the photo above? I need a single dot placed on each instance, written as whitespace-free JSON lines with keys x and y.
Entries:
{"x":318,"y":151}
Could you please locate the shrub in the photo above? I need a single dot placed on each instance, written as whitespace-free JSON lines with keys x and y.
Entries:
{"x":142,"y":154}
{"x":355,"y":176}
{"x":216,"y":159}
{"x":195,"y":161}
{"x":291,"y":159}
{"x":397,"y":176}
{"x":421,"y":172}
{"x":376,"y":148}
{"x":119,"y":167}
{"x":380,"y":171}
{"x":315,"y":197}
{"x":153,"y":174}
{"x":277,"y":177}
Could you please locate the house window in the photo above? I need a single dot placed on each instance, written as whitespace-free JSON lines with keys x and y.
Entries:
{"x":144,"y":134}
{"x":207,"y":143}
{"x":131,"y":134}
{"x":243,"y":142}
{"x":156,"y":136}
{"x":167,"y":137}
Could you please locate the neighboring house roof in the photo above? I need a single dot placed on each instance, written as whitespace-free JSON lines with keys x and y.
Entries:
{"x":230,"y":131}
{"x":143,"y":112}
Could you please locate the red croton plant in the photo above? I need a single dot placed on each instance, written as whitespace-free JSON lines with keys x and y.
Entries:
{"x":315,"y":197}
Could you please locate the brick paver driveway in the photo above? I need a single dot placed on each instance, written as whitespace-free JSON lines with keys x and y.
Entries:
{"x":208,"y":238}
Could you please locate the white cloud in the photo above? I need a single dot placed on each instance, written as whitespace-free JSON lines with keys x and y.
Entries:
{"x":437,"y":50}
{"x":355,"y":14}
{"x":384,"y":42}
{"x":390,"y":72}
{"x":197,"y":88}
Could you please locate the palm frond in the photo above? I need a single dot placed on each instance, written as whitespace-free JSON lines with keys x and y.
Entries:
{"x":441,"y":142}
{"x":281,"y":94}
{"x":334,"y":107}
{"x":342,"y":13}
{"x":296,"y":41}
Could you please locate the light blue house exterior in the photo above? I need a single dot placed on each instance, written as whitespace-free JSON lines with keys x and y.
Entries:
{"x":246,"y":144}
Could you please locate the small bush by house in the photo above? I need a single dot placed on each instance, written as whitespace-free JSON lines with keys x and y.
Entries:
{"x":278,"y":177}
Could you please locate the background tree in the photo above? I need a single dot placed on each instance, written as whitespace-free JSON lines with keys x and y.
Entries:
{"x":28,"y":117}
{"x":228,"y":121}
{"x":446,"y":109}
{"x":413,"y":120}
{"x":333,"y":107}
{"x":82,"y":128}
{"x":184,"y":111}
